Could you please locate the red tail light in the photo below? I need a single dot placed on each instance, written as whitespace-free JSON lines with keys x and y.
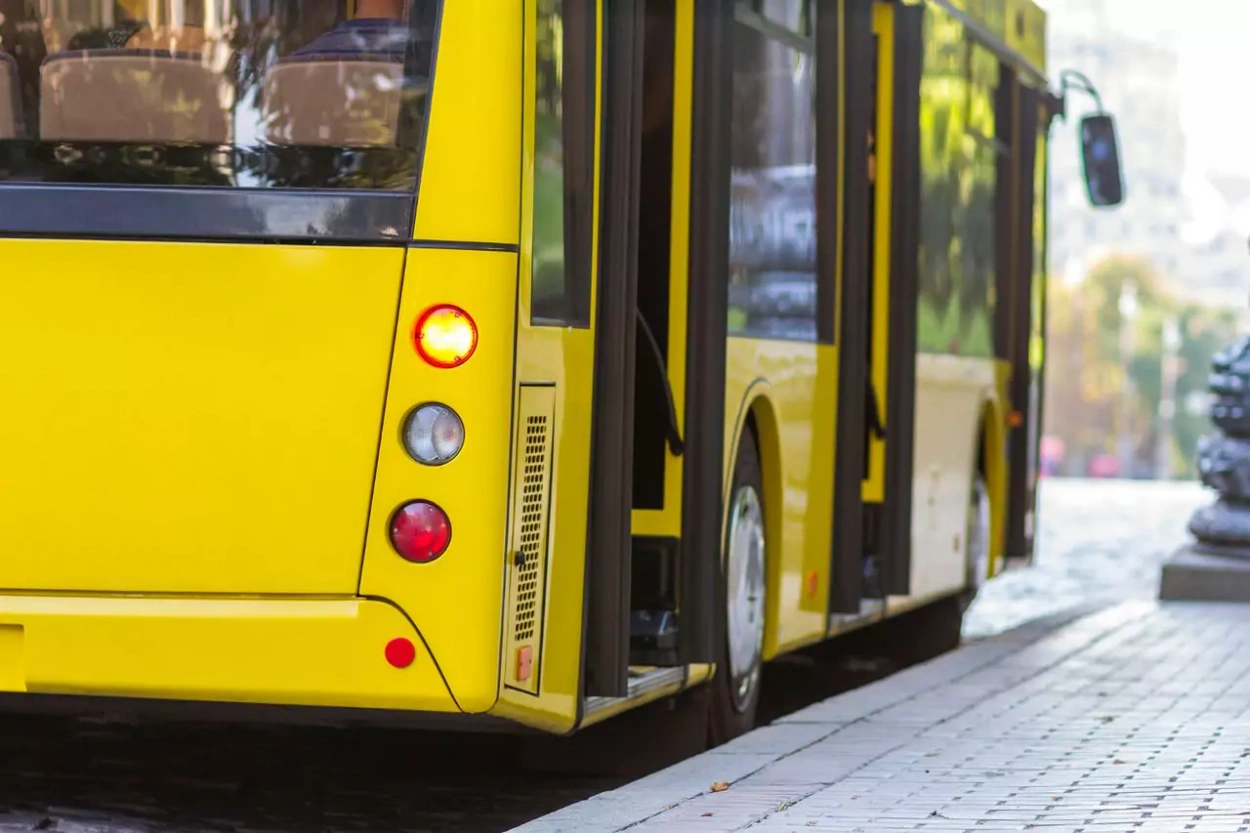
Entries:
{"x":420,"y":531}
{"x":445,"y":336}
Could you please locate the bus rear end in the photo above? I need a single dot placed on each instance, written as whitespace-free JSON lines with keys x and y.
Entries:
{"x":256,"y":441}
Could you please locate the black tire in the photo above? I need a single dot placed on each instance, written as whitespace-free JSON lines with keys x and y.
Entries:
{"x":730,"y":716}
{"x":978,"y":500}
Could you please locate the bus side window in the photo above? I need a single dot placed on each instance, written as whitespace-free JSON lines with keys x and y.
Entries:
{"x":564,"y":114}
{"x":130,"y":95}
{"x":10,"y":98}
{"x":307,"y":102}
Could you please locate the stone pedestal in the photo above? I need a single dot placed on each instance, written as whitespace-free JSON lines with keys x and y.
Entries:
{"x":1216,"y":567}
{"x":1203,"y":573}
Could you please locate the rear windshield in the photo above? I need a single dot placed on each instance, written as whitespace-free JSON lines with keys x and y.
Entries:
{"x":323,"y":94}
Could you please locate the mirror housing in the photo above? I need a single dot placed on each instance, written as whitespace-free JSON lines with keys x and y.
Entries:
{"x":1100,"y":154}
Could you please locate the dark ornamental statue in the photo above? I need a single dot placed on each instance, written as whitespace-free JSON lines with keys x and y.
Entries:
{"x":1224,"y":458}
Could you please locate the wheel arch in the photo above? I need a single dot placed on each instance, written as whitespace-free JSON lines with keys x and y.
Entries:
{"x":991,"y":439}
{"x":758,"y":415}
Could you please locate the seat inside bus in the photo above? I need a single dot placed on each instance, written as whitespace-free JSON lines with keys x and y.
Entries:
{"x":337,"y":102}
{"x":132,"y":95}
{"x":10,"y":98}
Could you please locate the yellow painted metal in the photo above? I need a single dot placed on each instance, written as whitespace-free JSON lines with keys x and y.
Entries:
{"x":255,"y":381}
{"x":776,"y":383}
{"x":994,"y":452}
{"x":471,"y":176}
{"x":1019,"y":25}
{"x":473,"y":149}
{"x":456,"y":601}
{"x":312,"y":652}
{"x":193,"y":418}
{"x":527,"y":554}
{"x":667,"y":521}
{"x":883,"y":26}
{"x":953,"y":395}
{"x":564,"y":358}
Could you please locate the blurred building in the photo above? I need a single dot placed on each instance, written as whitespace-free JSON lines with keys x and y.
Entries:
{"x":1139,"y":84}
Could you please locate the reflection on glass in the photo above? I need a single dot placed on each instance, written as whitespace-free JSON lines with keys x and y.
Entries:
{"x":772,"y":237}
{"x":548,"y":290}
{"x":254,"y":93}
{"x":10,"y":98}
{"x":958,"y":165}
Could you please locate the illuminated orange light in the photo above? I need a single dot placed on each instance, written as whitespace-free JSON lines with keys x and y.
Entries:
{"x":445,"y":336}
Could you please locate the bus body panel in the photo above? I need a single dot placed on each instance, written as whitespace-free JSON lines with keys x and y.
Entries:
{"x":190,"y":418}
{"x":471,"y":174}
{"x":309,"y":652}
{"x":455,"y":600}
{"x":951,"y":392}
{"x":790,"y":388}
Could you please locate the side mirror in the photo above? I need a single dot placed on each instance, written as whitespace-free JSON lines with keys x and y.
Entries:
{"x":1100,"y":152}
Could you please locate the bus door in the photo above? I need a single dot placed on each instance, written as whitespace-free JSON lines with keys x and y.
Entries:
{"x":653,"y":540}
{"x":887,"y":487}
{"x":1029,"y":118}
{"x":854,"y":556}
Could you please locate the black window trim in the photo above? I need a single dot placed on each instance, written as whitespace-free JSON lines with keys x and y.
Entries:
{"x":580,"y":97}
{"x":223,"y":214}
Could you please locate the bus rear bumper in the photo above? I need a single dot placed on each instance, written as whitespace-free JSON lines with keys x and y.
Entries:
{"x":300,"y":652}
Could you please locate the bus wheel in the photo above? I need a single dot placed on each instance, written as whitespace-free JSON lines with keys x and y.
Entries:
{"x":977,"y":539}
{"x":736,"y":687}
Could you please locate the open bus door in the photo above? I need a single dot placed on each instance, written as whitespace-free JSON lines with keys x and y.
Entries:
{"x":878,"y":317}
{"x":1027,"y":115}
{"x":655,"y":497}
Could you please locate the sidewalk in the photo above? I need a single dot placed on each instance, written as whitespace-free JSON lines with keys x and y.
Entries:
{"x":1134,"y":718}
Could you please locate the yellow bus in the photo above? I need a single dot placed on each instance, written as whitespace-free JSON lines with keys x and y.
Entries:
{"x":520,"y":360}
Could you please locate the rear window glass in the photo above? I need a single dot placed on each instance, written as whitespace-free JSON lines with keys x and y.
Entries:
{"x":323,"y":94}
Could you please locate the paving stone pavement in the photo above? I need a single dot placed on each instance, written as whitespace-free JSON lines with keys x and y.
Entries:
{"x":1130,"y":719}
{"x":1097,"y":540}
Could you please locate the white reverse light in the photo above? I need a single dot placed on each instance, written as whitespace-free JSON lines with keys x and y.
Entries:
{"x":433,"y":434}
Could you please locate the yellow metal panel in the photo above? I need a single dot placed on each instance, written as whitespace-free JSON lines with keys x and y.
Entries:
{"x":527,"y":555}
{"x":190,"y":417}
{"x":1026,"y":31}
{"x":12,"y":658}
{"x":667,"y":522}
{"x":310,"y":652}
{"x":563,"y":357}
{"x":883,"y":25}
{"x":456,"y":601}
{"x":994,"y":416}
{"x":951,"y":392}
{"x":790,"y":389}
{"x":471,"y":179}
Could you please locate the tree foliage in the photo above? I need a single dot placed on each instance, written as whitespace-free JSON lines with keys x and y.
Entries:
{"x":1090,"y":360}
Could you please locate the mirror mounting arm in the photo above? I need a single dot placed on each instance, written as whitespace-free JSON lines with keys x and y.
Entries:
{"x":1070,"y":79}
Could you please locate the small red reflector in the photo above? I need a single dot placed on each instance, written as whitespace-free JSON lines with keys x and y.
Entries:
{"x":420,"y":531}
{"x":524,"y":663}
{"x":1015,"y":419}
{"x":445,"y":336}
{"x":400,"y":653}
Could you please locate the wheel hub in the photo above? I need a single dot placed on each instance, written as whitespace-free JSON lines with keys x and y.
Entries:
{"x":744,"y":572}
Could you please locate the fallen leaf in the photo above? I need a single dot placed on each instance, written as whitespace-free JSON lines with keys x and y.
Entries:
{"x":720,"y":787}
